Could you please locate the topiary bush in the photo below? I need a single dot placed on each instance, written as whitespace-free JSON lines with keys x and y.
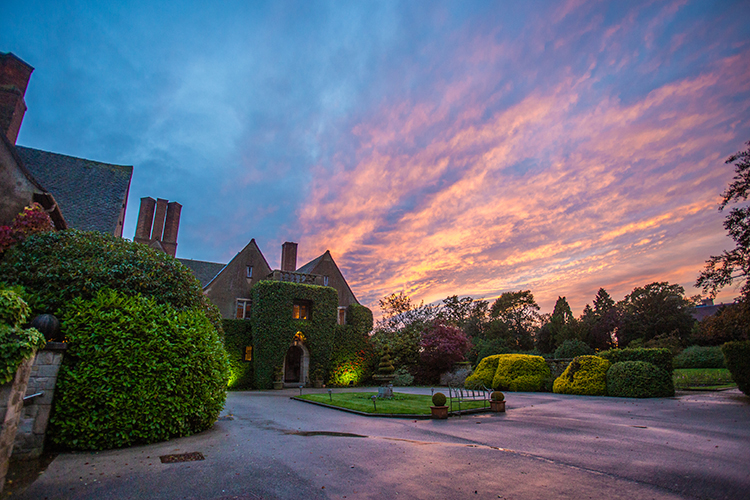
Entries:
{"x":484,"y":373}
{"x":56,"y":267}
{"x":238,"y":336}
{"x":520,"y":372}
{"x":497,"y":396}
{"x":585,"y":375}
{"x":136,"y":372}
{"x":572,"y":349}
{"x":16,"y":343}
{"x":700,"y":357}
{"x":737,"y":358}
{"x":639,"y":379}
{"x":660,"y":357}
{"x":438,"y":399}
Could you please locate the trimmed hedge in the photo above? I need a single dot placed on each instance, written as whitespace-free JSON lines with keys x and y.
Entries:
{"x":520,"y":372}
{"x":136,"y":372}
{"x":639,"y":379}
{"x":572,"y":349}
{"x":274,"y":327}
{"x":660,"y":357}
{"x":585,"y":375}
{"x":360,"y":318}
{"x":484,"y":373}
{"x":238,"y":335}
{"x":700,"y":357}
{"x":737,"y":357}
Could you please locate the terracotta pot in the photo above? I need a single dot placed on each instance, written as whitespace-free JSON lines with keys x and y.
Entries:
{"x":497,"y":406}
{"x":439,"y":411}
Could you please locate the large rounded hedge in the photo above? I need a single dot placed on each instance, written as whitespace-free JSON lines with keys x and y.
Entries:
{"x":700,"y":357}
{"x":484,"y":372}
{"x":639,"y":379}
{"x":737,"y":356}
{"x":56,"y":267}
{"x":136,"y":372}
{"x":520,"y":372}
{"x":585,"y":375}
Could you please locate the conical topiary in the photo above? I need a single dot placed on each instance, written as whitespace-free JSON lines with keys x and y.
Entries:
{"x":386,"y":365}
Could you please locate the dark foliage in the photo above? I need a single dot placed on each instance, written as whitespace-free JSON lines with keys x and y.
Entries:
{"x":737,"y":357}
{"x":238,"y":336}
{"x":700,"y":357}
{"x":638,"y":379}
{"x":659,"y":357}
{"x":573,"y":348}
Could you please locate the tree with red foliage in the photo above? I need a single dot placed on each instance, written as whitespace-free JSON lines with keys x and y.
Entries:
{"x":32,"y":220}
{"x":441,"y":346}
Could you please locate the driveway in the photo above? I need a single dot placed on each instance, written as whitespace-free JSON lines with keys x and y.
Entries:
{"x":546,"y":446}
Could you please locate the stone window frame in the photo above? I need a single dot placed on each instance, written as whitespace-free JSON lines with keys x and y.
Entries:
{"x":243,"y":308}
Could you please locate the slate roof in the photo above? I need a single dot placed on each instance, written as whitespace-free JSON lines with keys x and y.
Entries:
{"x":204,"y":271}
{"x":308,"y":268}
{"x":90,"y":193}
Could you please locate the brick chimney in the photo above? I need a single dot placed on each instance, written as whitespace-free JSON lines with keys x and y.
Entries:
{"x":289,"y":256}
{"x":14,"y":78}
{"x":145,"y":220}
{"x":171,"y":225}
{"x":159,"y":216}
{"x":158,"y":220}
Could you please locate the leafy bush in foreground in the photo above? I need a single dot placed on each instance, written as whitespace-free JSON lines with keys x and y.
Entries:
{"x":638,"y":379}
{"x":136,"y":372}
{"x":700,"y":357}
{"x":585,"y":375}
{"x":737,"y":356}
{"x":16,"y":343}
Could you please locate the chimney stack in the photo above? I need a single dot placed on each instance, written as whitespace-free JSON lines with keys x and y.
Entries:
{"x":159,"y":216}
{"x":14,"y":78}
{"x":171,"y":225}
{"x":158,"y":221}
{"x":145,"y":219}
{"x":289,"y":256}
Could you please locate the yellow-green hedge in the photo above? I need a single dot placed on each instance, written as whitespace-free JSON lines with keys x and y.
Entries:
{"x":585,"y":375}
{"x":484,"y":373}
{"x":520,"y":372}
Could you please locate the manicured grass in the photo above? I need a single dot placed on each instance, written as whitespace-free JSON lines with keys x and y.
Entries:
{"x":702,"y":378}
{"x":413,"y":404}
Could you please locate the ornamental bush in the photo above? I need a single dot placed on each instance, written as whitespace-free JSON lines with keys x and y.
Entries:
{"x":56,"y":267}
{"x":520,"y":372}
{"x":136,"y":372}
{"x":660,"y":357}
{"x":700,"y":357}
{"x":16,"y":343}
{"x":484,"y":373}
{"x":737,"y":357}
{"x":572,"y":349}
{"x":639,"y":379}
{"x":585,"y":375}
{"x":438,"y":399}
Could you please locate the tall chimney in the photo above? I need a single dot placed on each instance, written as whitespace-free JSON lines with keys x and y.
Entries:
{"x":289,"y":256}
{"x":172,"y":224}
{"x":145,"y":219}
{"x":159,"y":216}
{"x":14,"y":78}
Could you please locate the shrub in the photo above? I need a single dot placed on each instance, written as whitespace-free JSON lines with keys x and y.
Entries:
{"x":440,"y":348}
{"x":638,"y":379}
{"x":136,"y":372}
{"x":16,"y":343}
{"x":659,"y":357}
{"x":438,"y":399}
{"x":238,"y":336}
{"x":700,"y":357}
{"x":737,"y":357}
{"x":520,"y":372}
{"x":497,"y":396}
{"x":572,"y":349}
{"x":484,"y":373}
{"x":585,"y":375}
{"x":32,"y":220}
{"x":403,"y":377}
{"x":57,"y":267}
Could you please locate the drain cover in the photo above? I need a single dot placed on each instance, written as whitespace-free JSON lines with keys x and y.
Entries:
{"x":182,"y":457}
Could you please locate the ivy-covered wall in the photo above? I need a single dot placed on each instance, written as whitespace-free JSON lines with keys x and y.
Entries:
{"x":360,"y":318}
{"x":274,"y":327}
{"x":238,"y":334}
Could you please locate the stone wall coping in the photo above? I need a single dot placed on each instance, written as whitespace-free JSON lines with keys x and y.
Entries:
{"x":56,"y":346}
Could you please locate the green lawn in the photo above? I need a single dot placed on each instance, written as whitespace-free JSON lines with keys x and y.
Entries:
{"x":414,"y":404}
{"x":702,"y":378}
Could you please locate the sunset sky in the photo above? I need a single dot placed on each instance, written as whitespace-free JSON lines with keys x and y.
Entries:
{"x":435,"y":148}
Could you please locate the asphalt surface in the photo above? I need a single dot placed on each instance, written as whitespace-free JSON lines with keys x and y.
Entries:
{"x":545,"y":446}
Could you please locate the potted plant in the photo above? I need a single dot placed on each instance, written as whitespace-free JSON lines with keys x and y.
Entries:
{"x":439,"y":410}
{"x":318,"y":378}
{"x":278,"y":382}
{"x":497,"y":401}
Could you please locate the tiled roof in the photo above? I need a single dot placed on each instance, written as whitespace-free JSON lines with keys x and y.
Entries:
{"x":308,"y":268}
{"x":204,"y":271}
{"x":90,"y":193}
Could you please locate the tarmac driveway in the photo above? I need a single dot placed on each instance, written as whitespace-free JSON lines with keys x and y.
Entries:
{"x":545,"y":446}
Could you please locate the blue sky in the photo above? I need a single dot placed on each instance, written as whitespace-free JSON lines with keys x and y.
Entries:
{"x":438,"y":148}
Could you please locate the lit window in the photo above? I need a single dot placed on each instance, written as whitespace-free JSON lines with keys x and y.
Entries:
{"x":302,"y":309}
{"x":243,"y":308}
{"x":249,"y":271}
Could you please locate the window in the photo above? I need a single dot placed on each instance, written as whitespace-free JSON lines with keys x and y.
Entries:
{"x":243,"y":308}
{"x":248,"y":271}
{"x":342,"y":315}
{"x":325,"y":280}
{"x":302,"y":309}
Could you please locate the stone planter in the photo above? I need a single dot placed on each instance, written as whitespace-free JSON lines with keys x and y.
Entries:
{"x":318,"y":384}
{"x":278,"y":385}
{"x":439,"y":411}
{"x":498,"y":406}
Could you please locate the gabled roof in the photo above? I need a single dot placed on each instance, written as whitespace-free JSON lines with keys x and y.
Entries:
{"x":309,"y":268}
{"x":203,"y":270}
{"x":252,"y":244}
{"x":90,"y":193}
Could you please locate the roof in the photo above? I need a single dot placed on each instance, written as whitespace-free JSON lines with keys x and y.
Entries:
{"x":90,"y":194}
{"x":308,"y":268}
{"x":204,"y":271}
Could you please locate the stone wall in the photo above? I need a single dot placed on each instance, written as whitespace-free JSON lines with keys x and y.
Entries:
{"x":11,"y":407}
{"x":35,"y":416}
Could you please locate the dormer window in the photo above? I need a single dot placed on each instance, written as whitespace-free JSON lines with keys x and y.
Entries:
{"x":302,"y":309}
{"x":248,"y":271}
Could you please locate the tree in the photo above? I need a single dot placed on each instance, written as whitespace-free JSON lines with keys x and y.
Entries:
{"x":603,"y":321}
{"x":401,"y":327}
{"x":656,"y":309}
{"x":733,"y":265}
{"x":441,"y":346}
{"x":518,"y":310}
{"x":455,"y":311}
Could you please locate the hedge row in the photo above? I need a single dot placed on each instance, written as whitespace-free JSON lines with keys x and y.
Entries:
{"x":700,"y":357}
{"x":659,"y":357}
{"x":511,"y":372}
{"x":737,"y":357}
{"x":585,"y":375}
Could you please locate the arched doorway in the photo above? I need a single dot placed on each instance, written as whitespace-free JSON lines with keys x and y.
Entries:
{"x":296,"y":364}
